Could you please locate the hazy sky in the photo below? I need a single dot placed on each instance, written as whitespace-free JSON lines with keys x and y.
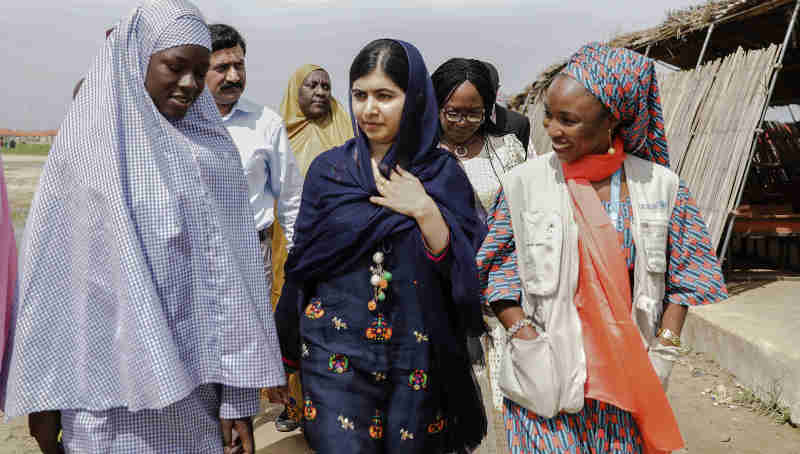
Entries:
{"x":48,"y":44}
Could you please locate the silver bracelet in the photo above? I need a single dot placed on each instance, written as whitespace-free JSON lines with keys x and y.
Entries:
{"x":518,"y":326}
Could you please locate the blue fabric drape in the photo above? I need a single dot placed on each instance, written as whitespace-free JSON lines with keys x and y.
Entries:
{"x":338,"y":225}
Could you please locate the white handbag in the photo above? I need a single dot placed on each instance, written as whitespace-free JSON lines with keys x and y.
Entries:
{"x":663,"y":358}
{"x":528,"y":375}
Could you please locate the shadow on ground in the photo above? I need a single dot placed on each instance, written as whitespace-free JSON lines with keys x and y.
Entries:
{"x":294,"y":444}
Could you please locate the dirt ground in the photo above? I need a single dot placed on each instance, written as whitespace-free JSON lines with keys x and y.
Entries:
{"x":703,"y":396}
{"x":708,"y":427}
{"x":22,"y":176}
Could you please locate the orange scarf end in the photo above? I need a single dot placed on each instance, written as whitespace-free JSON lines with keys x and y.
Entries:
{"x":596,"y":167}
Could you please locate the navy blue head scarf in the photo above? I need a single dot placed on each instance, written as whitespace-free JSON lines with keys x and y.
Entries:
{"x":338,"y":224}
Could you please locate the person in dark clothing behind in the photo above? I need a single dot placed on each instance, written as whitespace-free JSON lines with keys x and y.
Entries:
{"x":506,"y":119}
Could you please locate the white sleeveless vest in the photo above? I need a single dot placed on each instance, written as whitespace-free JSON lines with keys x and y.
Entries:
{"x":547,"y":254}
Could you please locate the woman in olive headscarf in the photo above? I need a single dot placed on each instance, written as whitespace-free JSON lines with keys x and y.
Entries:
{"x":315,"y":122}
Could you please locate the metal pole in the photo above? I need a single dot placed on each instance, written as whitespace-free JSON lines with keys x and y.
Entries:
{"x":705,"y":45}
{"x":647,"y":50}
{"x":775,"y":73}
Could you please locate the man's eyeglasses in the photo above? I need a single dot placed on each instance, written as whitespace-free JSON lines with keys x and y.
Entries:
{"x":471,"y":117}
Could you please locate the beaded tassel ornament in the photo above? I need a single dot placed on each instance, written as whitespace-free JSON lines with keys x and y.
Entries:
{"x":379,"y":330}
{"x":380,"y":281}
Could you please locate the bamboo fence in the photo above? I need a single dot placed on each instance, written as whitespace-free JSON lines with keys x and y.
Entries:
{"x":711,"y":117}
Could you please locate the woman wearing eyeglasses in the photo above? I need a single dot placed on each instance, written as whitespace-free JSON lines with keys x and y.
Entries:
{"x":466,"y":96}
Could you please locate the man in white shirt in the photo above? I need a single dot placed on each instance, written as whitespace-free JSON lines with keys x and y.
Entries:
{"x":273,"y":177}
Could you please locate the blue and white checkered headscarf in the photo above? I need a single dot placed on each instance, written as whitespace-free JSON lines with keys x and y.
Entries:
{"x":142,"y":276}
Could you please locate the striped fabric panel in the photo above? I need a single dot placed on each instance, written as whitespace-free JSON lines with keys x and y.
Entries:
{"x":497,"y":257}
{"x":625,"y":234}
{"x":694,"y":276}
{"x":599,"y":428}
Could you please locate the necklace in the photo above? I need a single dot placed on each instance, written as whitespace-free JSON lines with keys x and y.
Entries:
{"x":462,"y":150}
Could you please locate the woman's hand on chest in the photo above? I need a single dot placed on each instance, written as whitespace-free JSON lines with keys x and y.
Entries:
{"x":402,"y":192}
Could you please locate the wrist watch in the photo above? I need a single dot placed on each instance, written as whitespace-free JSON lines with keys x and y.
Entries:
{"x":669,"y":336}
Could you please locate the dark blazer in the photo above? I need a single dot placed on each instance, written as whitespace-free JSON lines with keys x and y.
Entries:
{"x":513,"y":122}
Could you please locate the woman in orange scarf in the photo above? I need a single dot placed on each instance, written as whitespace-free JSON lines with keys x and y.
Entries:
{"x":612,"y":251}
{"x":315,"y":122}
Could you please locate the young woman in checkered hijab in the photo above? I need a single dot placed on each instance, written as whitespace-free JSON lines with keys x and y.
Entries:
{"x":143,"y":321}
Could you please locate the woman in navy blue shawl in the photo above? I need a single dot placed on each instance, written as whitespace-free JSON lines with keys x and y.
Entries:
{"x":409,"y":388}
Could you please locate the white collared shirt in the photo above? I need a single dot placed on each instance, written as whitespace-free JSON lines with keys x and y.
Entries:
{"x":269,"y":164}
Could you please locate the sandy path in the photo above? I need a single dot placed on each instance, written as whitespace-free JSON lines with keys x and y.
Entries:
{"x":707,"y":428}
{"x":14,"y":438}
{"x":22,"y":177}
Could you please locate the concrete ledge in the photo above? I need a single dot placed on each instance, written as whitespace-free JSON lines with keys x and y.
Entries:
{"x":754,"y":335}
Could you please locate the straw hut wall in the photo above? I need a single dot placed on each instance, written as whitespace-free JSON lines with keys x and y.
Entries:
{"x":713,"y":113}
{"x":678,"y":41}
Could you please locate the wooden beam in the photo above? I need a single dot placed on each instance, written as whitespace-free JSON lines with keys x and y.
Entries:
{"x":705,"y":46}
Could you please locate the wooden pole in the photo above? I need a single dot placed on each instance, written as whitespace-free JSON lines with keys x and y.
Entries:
{"x":767,"y":100}
{"x":705,"y":45}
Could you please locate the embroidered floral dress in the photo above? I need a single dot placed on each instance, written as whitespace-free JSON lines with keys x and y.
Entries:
{"x":370,"y":373}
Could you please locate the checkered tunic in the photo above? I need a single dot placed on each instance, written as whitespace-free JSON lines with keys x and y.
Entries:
{"x":141,"y":277}
{"x":190,"y":425}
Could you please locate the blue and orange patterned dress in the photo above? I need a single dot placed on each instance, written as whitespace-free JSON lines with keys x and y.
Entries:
{"x":693,"y":278}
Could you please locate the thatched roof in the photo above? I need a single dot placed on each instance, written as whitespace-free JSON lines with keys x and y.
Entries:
{"x":682,"y":23}
{"x":751,"y":24}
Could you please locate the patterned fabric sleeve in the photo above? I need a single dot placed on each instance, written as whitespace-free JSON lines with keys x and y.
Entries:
{"x":694,"y":276}
{"x":238,"y":403}
{"x":497,"y":257}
